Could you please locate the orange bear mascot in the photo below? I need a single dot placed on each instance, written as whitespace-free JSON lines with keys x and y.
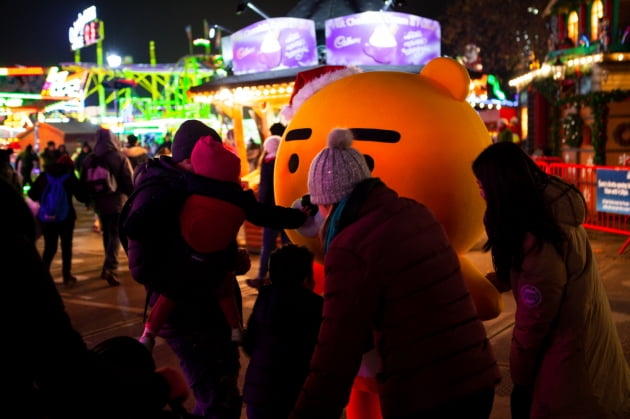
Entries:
{"x":440,"y":134}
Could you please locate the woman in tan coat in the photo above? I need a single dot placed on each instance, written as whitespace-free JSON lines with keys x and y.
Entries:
{"x":566,"y":358}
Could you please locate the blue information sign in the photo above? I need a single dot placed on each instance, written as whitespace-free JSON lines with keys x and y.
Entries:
{"x":613,"y":191}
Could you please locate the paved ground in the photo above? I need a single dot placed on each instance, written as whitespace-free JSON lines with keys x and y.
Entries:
{"x":100,"y":312}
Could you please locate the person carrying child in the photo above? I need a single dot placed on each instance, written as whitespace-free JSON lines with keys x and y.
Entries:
{"x":161,"y":258}
{"x":209,"y":225}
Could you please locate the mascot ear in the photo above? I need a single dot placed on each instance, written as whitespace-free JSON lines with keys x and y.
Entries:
{"x":450,"y":75}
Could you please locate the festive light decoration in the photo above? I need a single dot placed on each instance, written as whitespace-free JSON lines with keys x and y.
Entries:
{"x":22,"y":71}
{"x":596,"y":101}
{"x":496,"y":87}
{"x":621,"y":134}
{"x":572,"y":125}
{"x":244,"y":94}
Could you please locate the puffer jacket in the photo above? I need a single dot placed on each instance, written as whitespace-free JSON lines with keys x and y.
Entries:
{"x":151,"y":232}
{"x":393,"y":279}
{"x":107,"y":149}
{"x":565,"y":341}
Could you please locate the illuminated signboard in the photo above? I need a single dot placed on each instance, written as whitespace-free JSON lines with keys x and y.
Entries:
{"x":273,"y":44}
{"x":86,"y":30}
{"x":10,"y":102}
{"x":613,"y":191}
{"x":382,"y":38}
{"x":22,"y":71}
{"x":62,"y":84}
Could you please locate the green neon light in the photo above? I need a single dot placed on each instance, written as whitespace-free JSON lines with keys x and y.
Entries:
{"x":11,"y":101}
{"x":201,"y":41}
{"x":496,"y":87}
{"x":21,"y":95}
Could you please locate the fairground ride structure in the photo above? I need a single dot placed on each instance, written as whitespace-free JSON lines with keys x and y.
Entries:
{"x":133,"y":95}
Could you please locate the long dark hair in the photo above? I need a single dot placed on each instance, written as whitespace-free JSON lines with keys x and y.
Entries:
{"x":513,"y":185}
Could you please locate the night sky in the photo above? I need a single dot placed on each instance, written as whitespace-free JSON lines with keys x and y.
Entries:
{"x":36,"y":32}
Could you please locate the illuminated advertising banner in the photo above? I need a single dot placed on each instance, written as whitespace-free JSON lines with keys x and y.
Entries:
{"x":63,"y":85}
{"x":382,"y":38}
{"x":274,"y":44}
{"x":86,"y":30}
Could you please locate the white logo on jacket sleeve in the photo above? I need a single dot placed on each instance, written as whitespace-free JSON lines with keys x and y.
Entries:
{"x":531,"y":296}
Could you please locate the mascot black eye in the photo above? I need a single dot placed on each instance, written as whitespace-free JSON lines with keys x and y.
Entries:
{"x":299,"y":134}
{"x":375,"y":134}
{"x":370,"y":162}
{"x":294,"y":163}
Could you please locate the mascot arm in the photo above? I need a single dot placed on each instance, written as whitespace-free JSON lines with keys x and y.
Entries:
{"x":486,"y":297}
{"x":272,"y":216}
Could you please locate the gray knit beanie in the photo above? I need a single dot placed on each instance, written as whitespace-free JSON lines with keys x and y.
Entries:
{"x":336,"y":170}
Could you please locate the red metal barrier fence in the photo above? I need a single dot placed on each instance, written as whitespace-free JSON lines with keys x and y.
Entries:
{"x":584,"y":177}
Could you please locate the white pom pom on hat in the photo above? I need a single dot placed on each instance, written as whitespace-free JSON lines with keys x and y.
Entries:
{"x":340,"y":138}
{"x":337,"y":169}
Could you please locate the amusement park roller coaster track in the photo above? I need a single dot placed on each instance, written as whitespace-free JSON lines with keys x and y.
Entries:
{"x":153,"y":90}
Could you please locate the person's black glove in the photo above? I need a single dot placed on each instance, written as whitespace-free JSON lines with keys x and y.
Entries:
{"x":309,"y":206}
{"x":521,"y":401}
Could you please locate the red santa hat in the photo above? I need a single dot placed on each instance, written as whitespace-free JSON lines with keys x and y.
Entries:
{"x":211,"y":159}
{"x":310,"y":81}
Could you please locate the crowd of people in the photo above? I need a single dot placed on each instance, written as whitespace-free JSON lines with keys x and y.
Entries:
{"x":396,"y":317}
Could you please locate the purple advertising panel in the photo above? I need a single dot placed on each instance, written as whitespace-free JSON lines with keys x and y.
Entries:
{"x":382,"y":38}
{"x":274,"y":44}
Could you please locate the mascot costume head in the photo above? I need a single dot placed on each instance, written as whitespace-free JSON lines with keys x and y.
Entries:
{"x":418,"y":134}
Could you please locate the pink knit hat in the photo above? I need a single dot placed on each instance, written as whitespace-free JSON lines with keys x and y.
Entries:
{"x":211,"y":159}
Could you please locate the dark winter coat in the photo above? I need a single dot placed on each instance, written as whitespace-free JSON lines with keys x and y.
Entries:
{"x":136,"y":155}
{"x":393,"y":279}
{"x":107,"y":149}
{"x":281,"y":335}
{"x":156,"y":250}
{"x":7,"y":173}
{"x":26,"y":161}
{"x":50,"y":372}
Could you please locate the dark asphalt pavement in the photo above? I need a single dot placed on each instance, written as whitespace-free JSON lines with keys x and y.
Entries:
{"x":99,"y":311}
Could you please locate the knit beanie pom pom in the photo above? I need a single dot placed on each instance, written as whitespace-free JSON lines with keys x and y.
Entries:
{"x":340,"y":138}
{"x":337,"y":169}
